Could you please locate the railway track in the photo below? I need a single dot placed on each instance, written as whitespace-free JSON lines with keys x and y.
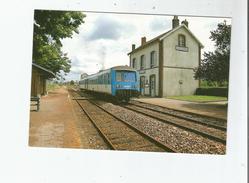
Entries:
{"x":118,"y":134}
{"x":198,"y":118}
{"x":119,"y":131}
{"x":212,"y":132}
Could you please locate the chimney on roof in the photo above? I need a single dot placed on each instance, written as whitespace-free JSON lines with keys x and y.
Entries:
{"x":133,"y":47}
{"x":143,"y":41}
{"x":175,"y":22}
{"x":185,"y":22}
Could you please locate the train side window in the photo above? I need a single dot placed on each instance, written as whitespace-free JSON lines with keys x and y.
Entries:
{"x":104,"y":78}
{"x":108,"y":78}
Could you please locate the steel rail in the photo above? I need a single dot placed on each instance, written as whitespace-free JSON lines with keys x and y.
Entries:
{"x":223,"y":128}
{"x":207,"y":135}
{"x":167,"y":147}
{"x":183,"y":111}
{"x":105,"y":138}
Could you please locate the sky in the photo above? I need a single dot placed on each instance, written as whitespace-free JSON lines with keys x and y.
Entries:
{"x":104,"y":39}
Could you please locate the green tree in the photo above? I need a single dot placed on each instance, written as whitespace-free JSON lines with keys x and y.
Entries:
{"x":214,"y":68}
{"x":50,"y":27}
{"x":72,"y":82}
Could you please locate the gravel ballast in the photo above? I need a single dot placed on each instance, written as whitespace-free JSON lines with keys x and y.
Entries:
{"x":181,"y":140}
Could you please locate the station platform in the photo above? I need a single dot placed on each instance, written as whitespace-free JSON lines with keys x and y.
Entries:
{"x":54,"y":124}
{"x":212,"y":109}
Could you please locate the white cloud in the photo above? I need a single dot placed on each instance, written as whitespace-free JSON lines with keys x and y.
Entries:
{"x":105,"y":39}
{"x":160,"y":24}
{"x":105,"y":27}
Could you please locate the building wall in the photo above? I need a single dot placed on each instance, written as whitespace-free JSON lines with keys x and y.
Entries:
{"x":147,"y":72}
{"x":176,"y":58}
{"x":35,"y":85}
{"x":38,"y":83}
{"x":178,"y":65}
{"x":179,"y":82}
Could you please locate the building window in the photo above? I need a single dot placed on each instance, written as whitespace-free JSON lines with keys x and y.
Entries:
{"x":142,"y":62}
{"x":134,"y":63}
{"x":152,"y":59}
{"x":181,"y":40}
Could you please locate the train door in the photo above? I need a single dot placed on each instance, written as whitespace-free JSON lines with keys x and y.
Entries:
{"x":86,"y":84}
{"x":142,"y":84}
{"x":152,"y":85}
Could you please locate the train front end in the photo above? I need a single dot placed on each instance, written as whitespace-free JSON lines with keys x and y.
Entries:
{"x":125,"y":83}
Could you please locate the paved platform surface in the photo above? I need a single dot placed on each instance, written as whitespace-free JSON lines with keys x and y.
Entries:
{"x":54,"y":125}
{"x":213,"y":109}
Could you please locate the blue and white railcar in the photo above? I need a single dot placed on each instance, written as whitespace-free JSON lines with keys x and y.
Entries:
{"x":121,"y":82}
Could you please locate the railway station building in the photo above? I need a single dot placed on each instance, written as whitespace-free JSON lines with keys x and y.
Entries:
{"x":166,"y":62}
{"x":40,"y":75}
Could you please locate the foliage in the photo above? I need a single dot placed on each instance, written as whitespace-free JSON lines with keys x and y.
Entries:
{"x":52,"y":86}
{"x":206,"y":84}
{"x":50,"y":27}
{"x":214,"y":91}
{"x":214,"y":68}
{"x":72,"y":82}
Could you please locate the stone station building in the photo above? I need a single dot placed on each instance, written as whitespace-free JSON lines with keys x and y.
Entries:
{"x":166,"y":63}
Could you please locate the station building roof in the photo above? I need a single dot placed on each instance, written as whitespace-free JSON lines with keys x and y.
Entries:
{"x":45,"y":72}
{"x":164,"y":35}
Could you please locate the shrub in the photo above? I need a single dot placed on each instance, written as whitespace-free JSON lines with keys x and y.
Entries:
{"x":223,"y":92}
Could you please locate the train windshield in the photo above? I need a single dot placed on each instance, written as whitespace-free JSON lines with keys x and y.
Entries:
{"x":126,"y":76}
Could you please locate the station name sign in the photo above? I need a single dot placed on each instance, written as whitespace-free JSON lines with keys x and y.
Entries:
{"x":180,"y":48}
{"x":142,"y":72}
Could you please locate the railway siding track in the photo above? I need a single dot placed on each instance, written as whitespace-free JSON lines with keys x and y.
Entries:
{"x":117,"y":133}
{"x":90,"y":136}
{"x":208,"y":132}
{"x":198,"y":118}
{"x":182,"y":140}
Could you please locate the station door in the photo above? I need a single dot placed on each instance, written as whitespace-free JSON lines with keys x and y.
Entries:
{"x":152,"y":85}
{"x":142,"y":85}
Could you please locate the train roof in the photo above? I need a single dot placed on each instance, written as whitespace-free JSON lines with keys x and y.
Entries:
{"x":121,"y":67}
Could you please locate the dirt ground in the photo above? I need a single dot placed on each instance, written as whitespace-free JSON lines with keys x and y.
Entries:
{"x":54,"y":125}
{"x":61,"y":123}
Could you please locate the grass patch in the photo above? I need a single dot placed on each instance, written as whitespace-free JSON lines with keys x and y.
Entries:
{"x":199,"y":98}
